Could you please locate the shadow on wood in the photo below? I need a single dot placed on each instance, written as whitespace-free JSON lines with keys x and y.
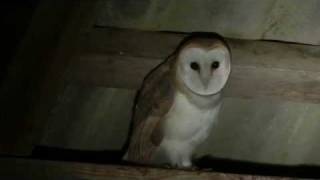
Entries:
{"x":206,"y":163}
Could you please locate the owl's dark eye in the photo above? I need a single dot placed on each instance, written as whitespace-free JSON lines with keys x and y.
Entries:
{"x":195,"y":66}
{"x":215,"y":65}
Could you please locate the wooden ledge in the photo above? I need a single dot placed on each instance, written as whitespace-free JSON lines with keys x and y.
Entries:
{"x":42,"y":169}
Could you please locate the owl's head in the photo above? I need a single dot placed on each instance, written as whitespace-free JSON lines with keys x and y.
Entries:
{"x":203,"y":64}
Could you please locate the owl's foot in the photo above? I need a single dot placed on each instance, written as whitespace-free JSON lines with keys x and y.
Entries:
{"x":190,"y":168}
{"x":177,"y":166}
{"x":186,"y":163}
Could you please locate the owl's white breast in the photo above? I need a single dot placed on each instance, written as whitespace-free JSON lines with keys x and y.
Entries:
{"x":187,"y":122}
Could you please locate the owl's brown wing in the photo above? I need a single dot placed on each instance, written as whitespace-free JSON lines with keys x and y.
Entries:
{"x":152,"y":104}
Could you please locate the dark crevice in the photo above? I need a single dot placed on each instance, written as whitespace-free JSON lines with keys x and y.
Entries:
{"x":206,"y":163}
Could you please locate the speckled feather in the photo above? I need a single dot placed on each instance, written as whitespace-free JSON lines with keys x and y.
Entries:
{"x":154,"y":101}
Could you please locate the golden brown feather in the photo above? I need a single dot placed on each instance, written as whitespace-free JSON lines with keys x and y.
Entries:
{"x":153,"y":102}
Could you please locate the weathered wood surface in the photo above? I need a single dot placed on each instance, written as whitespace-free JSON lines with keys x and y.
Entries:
{"x":286,"y":20}
{"x":121,"y":58}
{"x":37,"y":169}
{"x":87,"y":118}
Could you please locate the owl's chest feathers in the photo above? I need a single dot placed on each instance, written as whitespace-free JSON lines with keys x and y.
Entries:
{"x":190,"y":121}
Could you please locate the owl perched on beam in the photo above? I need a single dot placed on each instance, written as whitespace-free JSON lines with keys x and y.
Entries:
{"x":179,"y":101}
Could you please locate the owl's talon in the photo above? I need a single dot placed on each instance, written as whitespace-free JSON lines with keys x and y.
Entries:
{"x":206,"y":169}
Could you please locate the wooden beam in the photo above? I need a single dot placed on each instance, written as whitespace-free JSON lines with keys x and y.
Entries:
{"x":40,"y":169}
{"x":158,"y":45}
{"x":121,"y":58}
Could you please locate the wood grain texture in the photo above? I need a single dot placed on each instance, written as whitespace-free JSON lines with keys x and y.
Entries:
{"x":37,"y":169}
{"x":268,"y":19}
{"x":158,"y":45}
{"x":121,"y":58}
{"x":89,"y":118}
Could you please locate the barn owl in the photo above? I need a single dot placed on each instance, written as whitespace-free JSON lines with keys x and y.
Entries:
{"x":178,"y":103}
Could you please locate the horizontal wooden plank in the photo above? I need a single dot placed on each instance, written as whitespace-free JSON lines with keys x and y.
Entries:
{"x":89,"y":118}
{"x":160,"y":44}
{"x":41,"y":169}
{"x":278,"y":20}
{"x":121,"y":58}
{"x":111,"y":70}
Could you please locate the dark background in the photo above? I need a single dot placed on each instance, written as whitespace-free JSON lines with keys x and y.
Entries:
{"x":15,"y":17}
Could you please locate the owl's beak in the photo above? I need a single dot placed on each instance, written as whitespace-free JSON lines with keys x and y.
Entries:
{"x":205,"y":78}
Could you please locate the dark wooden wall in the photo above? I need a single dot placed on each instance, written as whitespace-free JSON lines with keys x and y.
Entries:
{"x":15,"y":19}
{"x":64,"y":50}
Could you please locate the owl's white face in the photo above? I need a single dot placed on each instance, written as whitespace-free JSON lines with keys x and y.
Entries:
{"x":202,"y":71}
